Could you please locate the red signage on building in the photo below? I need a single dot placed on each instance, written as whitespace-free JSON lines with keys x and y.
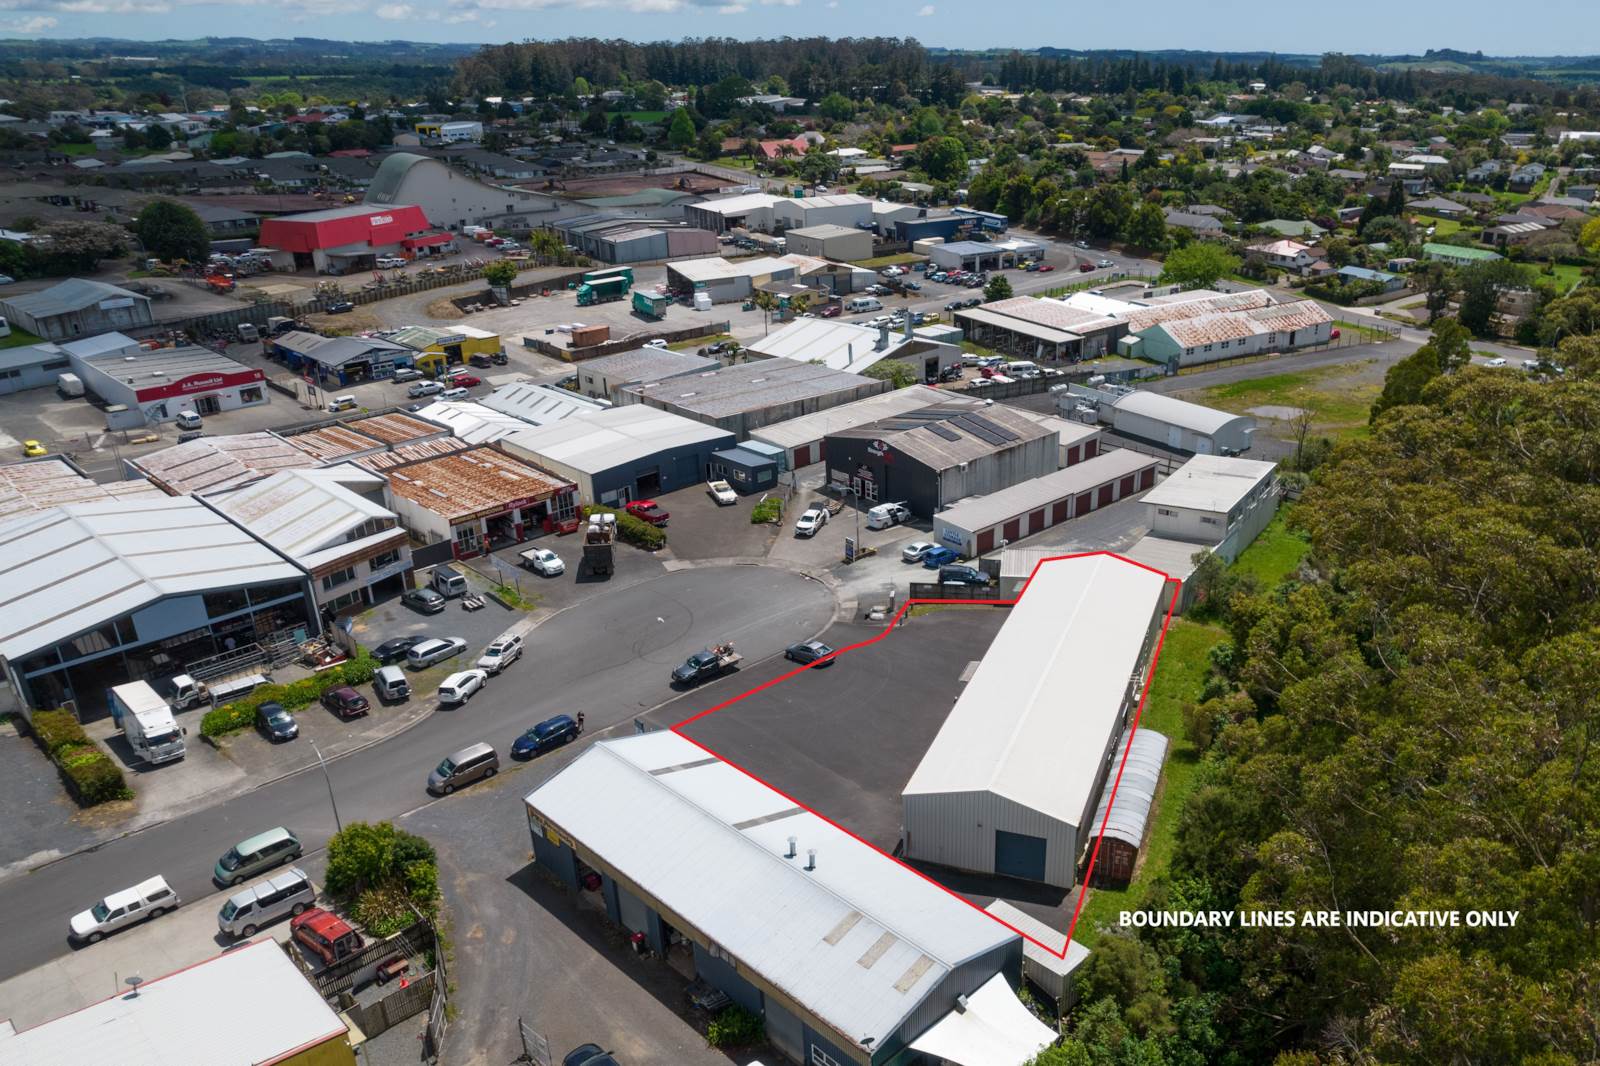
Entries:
{"x":204,"y":382}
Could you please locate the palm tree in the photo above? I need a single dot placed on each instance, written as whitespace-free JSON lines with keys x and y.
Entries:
{"x":798,"y":303}
{"x":767,"y":302}
{"x":546,"y":244}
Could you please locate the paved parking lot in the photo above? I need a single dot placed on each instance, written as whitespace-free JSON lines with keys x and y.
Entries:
{"x":700,"y":528}
{"x":632,"y":565}
{"x":393,"y":619}
{"x":39,"y":813}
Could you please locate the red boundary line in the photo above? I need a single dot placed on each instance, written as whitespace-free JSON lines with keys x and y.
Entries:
{"x":1094,"y":855}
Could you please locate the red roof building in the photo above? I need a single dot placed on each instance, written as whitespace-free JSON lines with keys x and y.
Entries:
{"x":343,"y":239}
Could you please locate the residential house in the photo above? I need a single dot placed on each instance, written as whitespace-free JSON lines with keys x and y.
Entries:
{"x":1390,"y":282}
{"x":1199,"y":225}
{"x":1292,"y":227}
{"x":1438,"y":206}
{"x":1525,"y":177}
{"x":1285,"y":254}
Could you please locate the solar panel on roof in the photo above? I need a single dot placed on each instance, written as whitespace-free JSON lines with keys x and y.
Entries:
{"x":985,"y":435}
{"x":998,"y":430}
{"x":944,"y":431}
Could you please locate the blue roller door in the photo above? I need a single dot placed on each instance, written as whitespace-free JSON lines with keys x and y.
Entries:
{"x":1018,"y":855}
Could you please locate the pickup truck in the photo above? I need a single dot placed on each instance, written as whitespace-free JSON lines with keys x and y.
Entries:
{"x":722,"y":492}
{"x":707,"y":664}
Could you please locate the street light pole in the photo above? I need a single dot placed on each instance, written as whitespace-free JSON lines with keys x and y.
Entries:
{"x":337,"y":825}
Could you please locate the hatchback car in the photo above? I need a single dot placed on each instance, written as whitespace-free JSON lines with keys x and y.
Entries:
{"x":648,"y":511}
{"x":831,"y":311}
{"x":461,"y":687}
{"x":501,"y":654}
{"x":550,"y":733}
{"x":808,"y":524}
{"x":32,"y":449}
{"x":345,"y":702}
{"x":938,"y":557}
{"x":913,"y":552}
{"x":392,"y":651}
{"x":326,"y":935}
{"x":809,"y":652}
{"x":425,"y":600}
{"x":436,"y":650}
{"x":589,"y":1055}
{"x":466,"y":381}
{"x":424,"y":388}
{"x":275,"y":723}
{"x":340,"y":307}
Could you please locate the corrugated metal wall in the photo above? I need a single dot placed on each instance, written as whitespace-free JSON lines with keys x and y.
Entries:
{"x":957,"y":829}
{"x":964,"y":980}
{"x":1001,"y":470}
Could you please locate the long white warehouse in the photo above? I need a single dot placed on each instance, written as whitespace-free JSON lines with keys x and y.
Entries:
{"x":1009,"y":785}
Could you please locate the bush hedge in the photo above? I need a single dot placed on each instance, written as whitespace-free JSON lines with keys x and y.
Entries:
{"x":736,"y":1027}
{"x":241,"y":713}
{"x":631,"y":530}
{"x":89,"y":773}
{"x":768,"y":510}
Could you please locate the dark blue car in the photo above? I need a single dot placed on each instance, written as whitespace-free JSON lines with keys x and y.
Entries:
{"x":939,"y":557}
{"x":550,"y":733}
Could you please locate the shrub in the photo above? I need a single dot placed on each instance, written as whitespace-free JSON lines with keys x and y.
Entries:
{"x":229,"y":718}
{"x":631,"y":530}
{"x":359,"y":669}
{"x":768,"y":510}
{"x":54,"y":730}
{"x":735,"y":1027}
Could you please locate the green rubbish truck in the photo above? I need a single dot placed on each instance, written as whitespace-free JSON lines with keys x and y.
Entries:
{"x":602,"y":291}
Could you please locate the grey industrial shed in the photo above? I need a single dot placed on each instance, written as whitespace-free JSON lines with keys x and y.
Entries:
{"x":1130,"y":812}
{"x":31,"y":367}
{"x":77,"y":307}
{"x":743,"y":398}
{"x":1182,"y":426}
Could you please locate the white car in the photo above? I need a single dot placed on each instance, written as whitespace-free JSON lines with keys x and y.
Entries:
{"x":1496,"y":361}
{"x":391,"y":262}
{"x":424,"y":388}
{"x":814,"y":519}
{"x":657,"y":343}
{"x":1530,"y":364}
{"x":722,"y":492}
{"x":913,"y":552}
{"x":458,"y":688}
{"x":437,"y":650}
{"x":147,"y":899}
{"x":501,"y":654}
{"x":543,"y":561}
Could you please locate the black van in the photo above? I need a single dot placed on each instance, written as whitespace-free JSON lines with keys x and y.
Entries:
{"x":956,"y":574}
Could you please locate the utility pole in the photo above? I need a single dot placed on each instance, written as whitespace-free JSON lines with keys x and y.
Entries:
{"x":337,"y":825}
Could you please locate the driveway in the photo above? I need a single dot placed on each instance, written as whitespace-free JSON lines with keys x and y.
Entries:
{"x":42,"y":821}
{"x":701,"y":528}
{"x":633,"y":565}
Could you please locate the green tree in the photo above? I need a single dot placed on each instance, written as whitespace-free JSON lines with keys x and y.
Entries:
{"x":171,"y":231}
{"x":1481,"y":285}
{"x":1198,"y":265}
{"x":837,"y":107}
{"x":680,"y":133}
{"x":898,"y":373}
{"x":1405,"y":380}
{"x":1147,"y":227}
{"x":943,"y":159}
{"x":158,"y":138}
{"x":997,"y":288}
{"x":500,"y":273}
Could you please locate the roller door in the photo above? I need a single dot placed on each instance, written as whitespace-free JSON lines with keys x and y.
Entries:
{"x":1058,"y":512}
{"x":1147,"y":477}
{"x":1072,"y":455}
{"x":1105,"y":495}
{"x":802,"y":456}
{"x":1019,"y":855}
{"x":1085,"y":505}
{"x":1012,"y":529}
{"x":1036,"y":521}
{"x":1127,"y":487}
{"x":1091,"y":448}
{"x":986,"y":541}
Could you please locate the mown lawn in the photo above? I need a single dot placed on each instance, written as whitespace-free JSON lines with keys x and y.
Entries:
{"x":1275,"y":554}
{"x":18,"y":338}
{"x":1339,"y":407}
{"x":1180,"y":672}
{"x":700,"y":342}
{"x":899,"y":259}
{"x":645,"y":117}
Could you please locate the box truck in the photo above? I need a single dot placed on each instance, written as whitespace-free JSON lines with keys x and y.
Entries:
{"x":147,"y":722}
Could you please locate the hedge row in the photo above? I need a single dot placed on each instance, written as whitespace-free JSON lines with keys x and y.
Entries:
{"x":631,"y":530}
{"x":768,"y":511}
{"x":241,"y":713}
{"x":89,"y":773}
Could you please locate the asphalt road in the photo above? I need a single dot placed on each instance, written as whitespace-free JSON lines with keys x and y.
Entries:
{"x":608,"y":657}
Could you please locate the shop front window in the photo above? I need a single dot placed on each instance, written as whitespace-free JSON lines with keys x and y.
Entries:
{"x":468,"y":538}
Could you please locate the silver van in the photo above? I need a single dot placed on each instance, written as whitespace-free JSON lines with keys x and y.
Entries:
{"x":863,"y":303}
{"x":254,"y":854}
{"x":391,"y":685}
{"x":448,"y":582}
{"x":471,"y":763}
{"x":286,"y":893}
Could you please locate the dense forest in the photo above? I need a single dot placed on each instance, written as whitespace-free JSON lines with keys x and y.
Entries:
{"x":1410,"y":722}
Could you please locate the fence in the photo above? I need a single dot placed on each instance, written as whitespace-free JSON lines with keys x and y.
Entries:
{"x":341,"y":976}
{"x":1168,"y":461}
{"x":1004,"y":390}
{"x":395,"y":1007}
{"x":931,"y":590}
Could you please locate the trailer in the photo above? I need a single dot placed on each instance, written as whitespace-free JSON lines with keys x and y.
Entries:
{"x":707,"y":664}
{"x":651,"y":305}
{"x":602,"y":291}
{"x":607,"y":273}
{"x":147,"y":722}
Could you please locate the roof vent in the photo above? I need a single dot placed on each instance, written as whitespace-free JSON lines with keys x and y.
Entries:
{"x":791,"y":852}
{"x":961,"y":1004}
{"x":811,"y":858}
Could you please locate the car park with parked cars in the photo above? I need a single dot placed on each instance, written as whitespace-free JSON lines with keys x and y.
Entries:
{"x":425,"y":600}
{"x":955,"y":574}
{"x":424,"y":388}
{"x":648,"y":511}
{"x":394,"y":650}
{"x":722,"y":492}
{"x":938,"y":557}
{"x":913,"y":552}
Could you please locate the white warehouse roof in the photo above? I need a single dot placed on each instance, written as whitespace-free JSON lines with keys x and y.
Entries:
{"x":1176,"y":412}
{"x":859,"y":941}
{"x":1211,"y":483}
{"x":191,"y":1017}
{"x":471,"y":421}
{"x":793,"y":432}
{"x":981,"y":512}
{"x":309,"y":514}
{"x":1032,"y":723}
{"x":601,"y":440}
{"x":70,"y":568}
{"x":539,"y":404}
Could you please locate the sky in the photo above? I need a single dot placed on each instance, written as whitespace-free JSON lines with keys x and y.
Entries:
{"x":1538,"y":27}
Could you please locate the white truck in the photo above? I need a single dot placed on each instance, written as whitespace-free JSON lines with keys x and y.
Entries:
{"x":147,"y":722}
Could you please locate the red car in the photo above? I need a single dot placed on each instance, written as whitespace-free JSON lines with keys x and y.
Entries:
{"x":1084,"y":268}
{"x":1045,"y":268}
{"x":646,"y":510}
{"x":327,"y":935}
{"x":465,"y":381}
{"x":345,"y":702}
{"x":831,"y":311}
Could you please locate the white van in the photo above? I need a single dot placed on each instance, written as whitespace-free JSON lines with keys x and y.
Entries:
{"x":342,"y":403}
{"x":863,"y":303}
{"x":887,"y":514}
{"x":456,"y":393}
{"x":448,"y":582}
{"x":1021,"y":368}
{"x":285,"y":893}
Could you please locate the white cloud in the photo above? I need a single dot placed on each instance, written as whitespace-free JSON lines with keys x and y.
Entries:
{"x":31,"y":24}
{"x":924,"y":11}
{"x":732,"y":9}
{"x":780,"y":3}
{"x":396,"y":12}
